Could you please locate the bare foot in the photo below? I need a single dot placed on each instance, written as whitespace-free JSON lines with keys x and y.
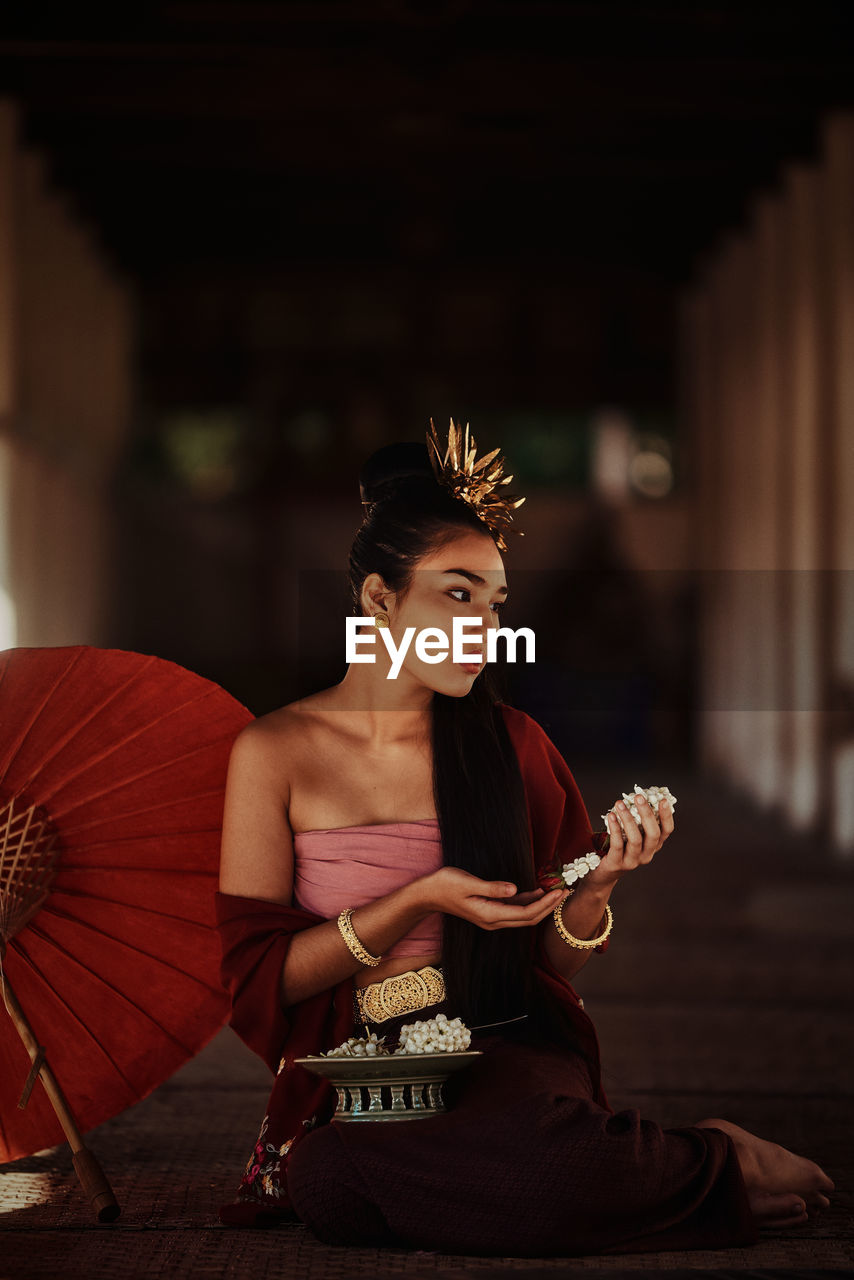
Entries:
{"x":784,"y":1189}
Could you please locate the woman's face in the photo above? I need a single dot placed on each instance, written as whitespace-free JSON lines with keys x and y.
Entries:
{"x":465,"y":579}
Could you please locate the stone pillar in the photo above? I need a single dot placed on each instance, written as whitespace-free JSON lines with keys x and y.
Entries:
{"x":838,"y":228}
{"x":768,"y":390}
{"x":804,"y":422}
{"x":65,"y":387}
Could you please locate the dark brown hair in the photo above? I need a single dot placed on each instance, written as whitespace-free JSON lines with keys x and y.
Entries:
{"x":477,"y":784}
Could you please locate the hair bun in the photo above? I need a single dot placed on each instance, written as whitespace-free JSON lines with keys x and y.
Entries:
{"x":387,"y":470}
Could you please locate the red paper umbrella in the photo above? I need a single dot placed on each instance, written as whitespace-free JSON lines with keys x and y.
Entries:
{"x":112,"y":777}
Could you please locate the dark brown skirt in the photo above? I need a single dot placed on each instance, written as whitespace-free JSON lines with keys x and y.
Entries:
{"x":523,"y":1163}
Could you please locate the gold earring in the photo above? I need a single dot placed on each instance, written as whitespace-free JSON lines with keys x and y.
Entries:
{"x":381,"y":619}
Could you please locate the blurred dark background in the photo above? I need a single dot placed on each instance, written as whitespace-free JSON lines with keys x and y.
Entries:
{"x":244,"y":245}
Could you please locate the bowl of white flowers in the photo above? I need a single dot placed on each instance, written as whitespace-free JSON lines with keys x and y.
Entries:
{"x":375,"y":1082}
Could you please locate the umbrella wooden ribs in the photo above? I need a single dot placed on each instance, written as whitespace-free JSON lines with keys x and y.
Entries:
{"x":28,"y":854}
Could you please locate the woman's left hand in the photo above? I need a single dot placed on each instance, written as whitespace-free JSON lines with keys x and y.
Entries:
{"x":625,"y":852}
{"x":638,"y":847}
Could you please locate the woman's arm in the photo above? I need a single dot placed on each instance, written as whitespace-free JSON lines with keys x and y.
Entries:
{"x":257,"y":861}
{"x":583,"y":914}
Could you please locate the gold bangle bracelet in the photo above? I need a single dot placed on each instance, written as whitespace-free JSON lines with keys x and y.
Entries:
{"x":348,"y":933}
{"x":583,"y":944}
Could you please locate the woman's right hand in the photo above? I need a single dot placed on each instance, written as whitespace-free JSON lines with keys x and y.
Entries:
{"x":490,"y":904}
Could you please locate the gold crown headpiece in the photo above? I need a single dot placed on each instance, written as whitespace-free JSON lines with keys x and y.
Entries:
{"x":475,"y":482}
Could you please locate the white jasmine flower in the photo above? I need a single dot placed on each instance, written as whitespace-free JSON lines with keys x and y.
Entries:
{"x":653,"y":795}
{"x":436,"y":1035}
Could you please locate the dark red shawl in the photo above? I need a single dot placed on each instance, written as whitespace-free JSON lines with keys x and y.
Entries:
{"x":255,"y":936}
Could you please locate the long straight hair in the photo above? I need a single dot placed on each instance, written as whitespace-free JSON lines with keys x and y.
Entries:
{"x":478,"y":788}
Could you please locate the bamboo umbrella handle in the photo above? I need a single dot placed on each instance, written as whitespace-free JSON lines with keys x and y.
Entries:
{"x":92,"y":1177}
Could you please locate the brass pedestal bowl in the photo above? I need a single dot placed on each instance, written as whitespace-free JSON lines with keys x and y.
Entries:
{"x":389,"y":1086}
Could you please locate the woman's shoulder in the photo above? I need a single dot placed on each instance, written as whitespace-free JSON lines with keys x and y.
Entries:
{"x":277,"y":733}
{"x":519,"y":722}
{"x":512,"y":715}
{"x":527,"y":733}
{"x":547,"y":776}
{"x":290,"y":717}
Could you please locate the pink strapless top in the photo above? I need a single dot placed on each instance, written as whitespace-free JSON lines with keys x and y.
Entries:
{"x":340,"y":867}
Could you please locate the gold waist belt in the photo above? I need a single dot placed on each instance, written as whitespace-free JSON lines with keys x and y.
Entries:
{"x":401,"y":993}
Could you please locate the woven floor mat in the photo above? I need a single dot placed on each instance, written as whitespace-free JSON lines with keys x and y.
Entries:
{"x":291,"y":1252}
{"x":169,"y":1177}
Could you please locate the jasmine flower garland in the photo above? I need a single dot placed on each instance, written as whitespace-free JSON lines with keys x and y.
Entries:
{"x":571,"y":872}
{"x":576,"y":870}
